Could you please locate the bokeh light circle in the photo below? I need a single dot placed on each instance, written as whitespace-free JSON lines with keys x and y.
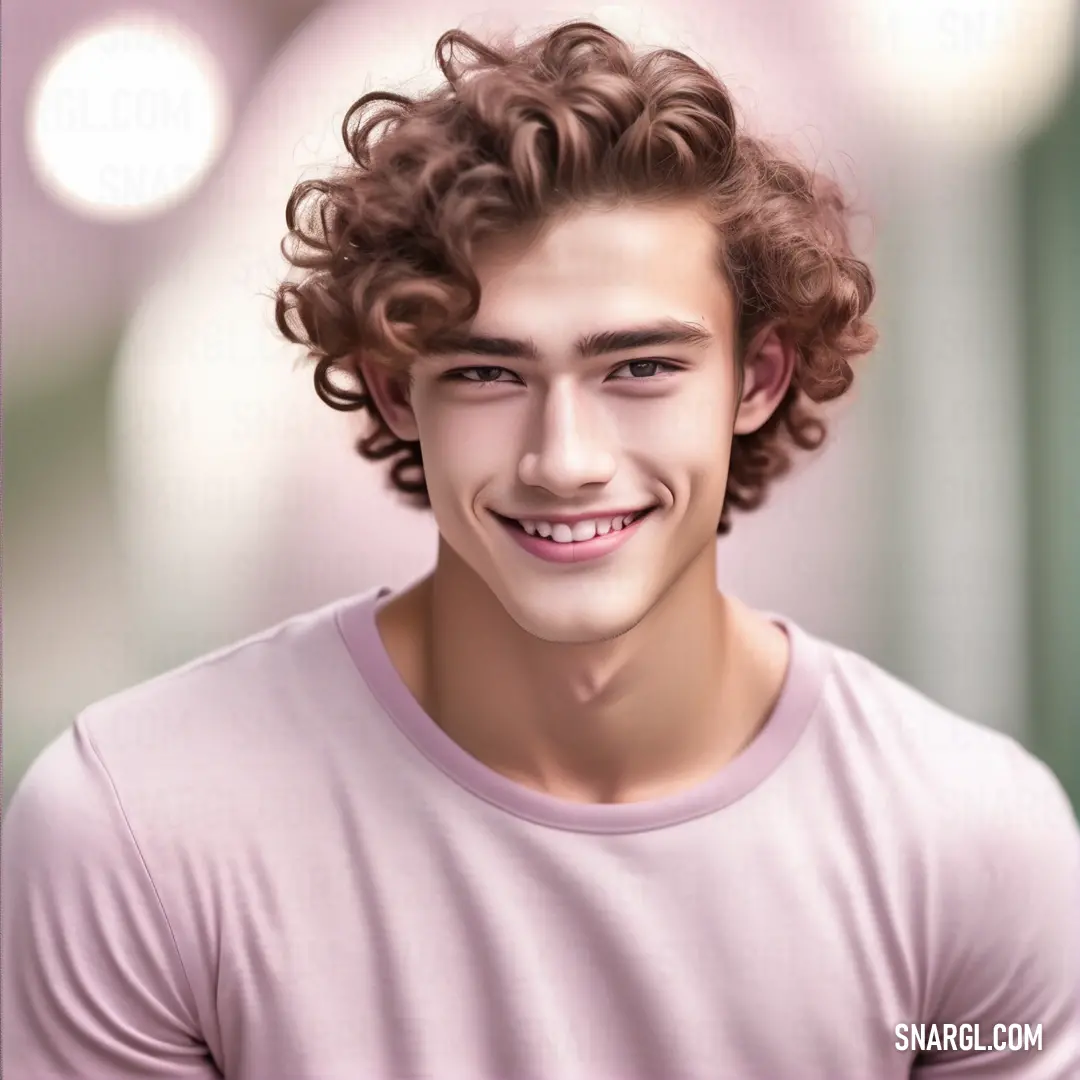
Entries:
{"x":127,"y":117}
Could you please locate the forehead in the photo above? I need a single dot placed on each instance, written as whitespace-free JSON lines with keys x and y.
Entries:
{"x":588,"y":267}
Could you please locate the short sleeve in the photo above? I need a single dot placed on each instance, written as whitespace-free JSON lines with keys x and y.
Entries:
{"x":92,"y":982}
{"x":1014,"y":962}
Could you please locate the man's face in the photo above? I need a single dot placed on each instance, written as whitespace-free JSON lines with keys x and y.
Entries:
{"x":509,"y":438}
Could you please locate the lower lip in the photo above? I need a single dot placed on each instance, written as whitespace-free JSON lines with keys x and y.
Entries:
{"x":576,"y":550}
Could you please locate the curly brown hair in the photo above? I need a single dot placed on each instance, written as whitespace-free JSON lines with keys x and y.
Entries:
{"x":519,"y":132}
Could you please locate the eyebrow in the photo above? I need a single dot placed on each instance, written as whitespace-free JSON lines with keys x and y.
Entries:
{"x":665,"y":332}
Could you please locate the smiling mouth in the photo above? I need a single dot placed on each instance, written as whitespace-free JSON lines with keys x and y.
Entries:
{"x":580,"y":532}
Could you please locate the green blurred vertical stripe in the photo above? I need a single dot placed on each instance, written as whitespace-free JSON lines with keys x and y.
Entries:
{"x":1051,"y":195}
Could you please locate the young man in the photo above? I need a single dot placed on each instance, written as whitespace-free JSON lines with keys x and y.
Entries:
{"x":561,"y":810}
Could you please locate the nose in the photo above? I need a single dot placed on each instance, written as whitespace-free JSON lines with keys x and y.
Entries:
{"x":574,"y":445}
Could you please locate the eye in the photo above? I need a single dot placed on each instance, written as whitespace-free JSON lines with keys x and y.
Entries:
{"x":489,"y":375}
{"x":641,"y":370}
{"x":485,"y":376}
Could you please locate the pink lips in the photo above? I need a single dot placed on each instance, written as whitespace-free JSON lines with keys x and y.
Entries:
{"x":576,"y":550}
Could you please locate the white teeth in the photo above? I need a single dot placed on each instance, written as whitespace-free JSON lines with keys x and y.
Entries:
{"x":562,"y":533}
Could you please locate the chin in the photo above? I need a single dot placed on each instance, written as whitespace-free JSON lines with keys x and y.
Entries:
{"x":587,"y":617}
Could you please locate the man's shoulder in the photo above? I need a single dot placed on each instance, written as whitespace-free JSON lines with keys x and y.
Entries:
{"x":204,"y":759}
{"x":223,"y":686}
{"x":980,"y":836}
{"x":239,"y":717}
{"x":905,"y":722}
{"x":946,"y":772}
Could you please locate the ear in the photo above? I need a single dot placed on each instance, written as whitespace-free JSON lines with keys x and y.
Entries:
{"x":389,"y":387}
{"x":768,"y":365}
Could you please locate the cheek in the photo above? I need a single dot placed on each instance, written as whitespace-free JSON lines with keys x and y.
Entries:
{"x":689,"y":432}
{"x":464,"y":446}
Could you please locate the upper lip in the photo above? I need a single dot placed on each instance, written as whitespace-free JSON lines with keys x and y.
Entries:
{"x":573,"y":519}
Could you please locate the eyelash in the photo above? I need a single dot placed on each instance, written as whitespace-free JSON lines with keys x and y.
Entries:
{"x":459,"y":374}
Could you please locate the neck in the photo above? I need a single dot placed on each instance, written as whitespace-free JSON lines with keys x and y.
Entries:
{"x":656,"y":709}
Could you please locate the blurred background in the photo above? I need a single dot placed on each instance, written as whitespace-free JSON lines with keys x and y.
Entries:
{"x":171,"y":481}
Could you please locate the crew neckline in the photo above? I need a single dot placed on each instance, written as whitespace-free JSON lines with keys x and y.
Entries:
{"x":799,"y":696}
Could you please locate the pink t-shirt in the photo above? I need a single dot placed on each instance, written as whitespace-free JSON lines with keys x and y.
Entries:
{"x":272,"y":865}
